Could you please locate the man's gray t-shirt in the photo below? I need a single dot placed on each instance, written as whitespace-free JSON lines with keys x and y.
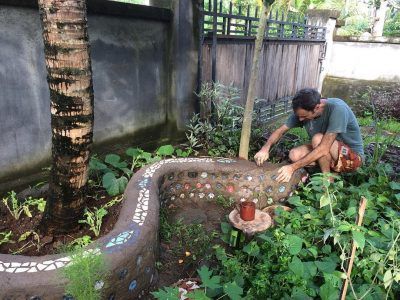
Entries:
{"x":337,"y":117}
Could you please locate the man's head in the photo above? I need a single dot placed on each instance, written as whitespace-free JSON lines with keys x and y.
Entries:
{"x":306,"y":104}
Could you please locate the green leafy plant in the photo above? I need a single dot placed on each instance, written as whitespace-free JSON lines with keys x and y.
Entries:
{"x":166,"y":293}
{"x":219,"y":134}
{"x":139,"y":157}
{"x":113,"y":202}
{"x":5,"y":237}
{"x":80,"y":242}
{"x":34,"y":242}
{"x":17,"y":207}
{"x":225,"y":202}
{"x":304,"y":256}
{"x":86,"y":275}
{"x":94,"y":219}
{"x":114,"y":173}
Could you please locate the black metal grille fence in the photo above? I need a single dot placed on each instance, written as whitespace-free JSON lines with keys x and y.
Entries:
{"x":244,"y":21}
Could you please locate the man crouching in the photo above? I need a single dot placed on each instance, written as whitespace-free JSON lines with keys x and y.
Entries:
{"x":336,"y":142}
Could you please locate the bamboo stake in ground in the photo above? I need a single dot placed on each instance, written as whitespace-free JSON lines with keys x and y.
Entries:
{"x":251,"y":94}
{"x":361,"y":211}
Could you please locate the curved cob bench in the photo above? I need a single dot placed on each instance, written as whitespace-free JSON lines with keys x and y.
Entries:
{"x":131,"y":248}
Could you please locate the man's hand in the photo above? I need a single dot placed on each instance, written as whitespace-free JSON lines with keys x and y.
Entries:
{"x":285,"y":173}
{"x":261,"y":156}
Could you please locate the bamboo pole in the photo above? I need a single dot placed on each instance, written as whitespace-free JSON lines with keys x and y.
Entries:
{"x":361,"y":211}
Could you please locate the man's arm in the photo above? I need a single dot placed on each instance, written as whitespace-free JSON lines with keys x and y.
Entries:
{"x":286,"y":172}
{"x":263,"y":154}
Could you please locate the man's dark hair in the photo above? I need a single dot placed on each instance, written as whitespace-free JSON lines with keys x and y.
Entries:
{"x":306,"y":99}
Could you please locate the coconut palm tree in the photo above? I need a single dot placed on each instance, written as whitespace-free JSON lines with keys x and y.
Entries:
{"x":68,"y":64}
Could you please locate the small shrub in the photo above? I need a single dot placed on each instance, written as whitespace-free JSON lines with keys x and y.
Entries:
{"x":94,"y":219}
{"x":219,"y":134}
{"x":378,"y":102}
{"x":86,"y":275}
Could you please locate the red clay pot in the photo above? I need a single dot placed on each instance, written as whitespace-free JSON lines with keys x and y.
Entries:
{"x":247,"y":210}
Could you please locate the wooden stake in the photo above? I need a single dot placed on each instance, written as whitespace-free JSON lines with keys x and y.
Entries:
{"x":361,"y":211}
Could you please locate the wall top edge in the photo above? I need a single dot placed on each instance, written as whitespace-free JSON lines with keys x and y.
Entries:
{"x":323,"y":13}
{"x":251,"y":39}
{"x":107,"y":7}
{"x":367,"y":39}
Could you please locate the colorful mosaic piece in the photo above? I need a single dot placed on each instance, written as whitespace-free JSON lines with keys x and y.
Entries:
{"x":133,"y":285}
{"x":123,"y":239}
{"x":203,"y":175}
{"x":248,"y":178}
{"x":230,"y":188}
{"x":99,"y":285}
{"x":226,"y":160}
{"x":139,"y":260}
{"x":122,"y":274}
{"x":33,"y":267}
{"x":281,"y":189}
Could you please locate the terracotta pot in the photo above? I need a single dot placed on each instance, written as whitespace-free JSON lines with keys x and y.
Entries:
{"x":247,"y":210}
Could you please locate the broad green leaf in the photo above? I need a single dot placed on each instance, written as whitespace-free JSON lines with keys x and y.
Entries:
{"x":97,"y":165}
{"x":114,"y":160}
{"x":166,"y":293}
{"x":326,"y":266}
{"x":252,"y":249}
{"x":313,"y":250}
{"x":397,"y":196}
{"x":310,"y":269}
{"x":296,"y":266}
{"x":240,"y":280}
{"x":233,"y":290}
{"x":295,"y":244}
{"x":344,"y":227}
{"x":359,"y":239}
{"x":165,"y":150}
{"x":122,"y":183}
{"x":324,"y":201}
{"x":329,"y":292}
{"x":295,"y":200}
{"x":395,"y":185}
{"x":299,"y":294}
{"x":111,"y":184}
{"x":307,"y":216}
{"x":197,"y":295}
{"x":208,"y":281}
{"x":387,"y":278}
{"x":133,"y":152}
{"x":351,"y":211}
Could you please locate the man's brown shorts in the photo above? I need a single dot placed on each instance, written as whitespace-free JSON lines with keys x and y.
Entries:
{"x":348,"y":160}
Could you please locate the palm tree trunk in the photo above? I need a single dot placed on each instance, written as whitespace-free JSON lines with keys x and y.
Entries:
{"x":251,"y":94}
{"x":68,"y":64}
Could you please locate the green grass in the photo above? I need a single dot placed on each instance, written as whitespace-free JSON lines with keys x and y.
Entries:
{"x":390,"y":125}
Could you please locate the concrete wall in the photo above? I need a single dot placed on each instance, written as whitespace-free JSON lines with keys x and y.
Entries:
{"x":132,"y":73}
{"x":365,"y":59}
{"x":359,"y":64}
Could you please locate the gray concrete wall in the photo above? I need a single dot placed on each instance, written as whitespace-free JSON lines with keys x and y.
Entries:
{"x":131,"y":60}
{"x":365,"y":59}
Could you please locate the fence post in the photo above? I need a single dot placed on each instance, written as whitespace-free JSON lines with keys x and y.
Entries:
{"x":326,"y":18}
{"x":228,"y":29}
{"x":200,"y":54}
{"x":214,"y":43}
